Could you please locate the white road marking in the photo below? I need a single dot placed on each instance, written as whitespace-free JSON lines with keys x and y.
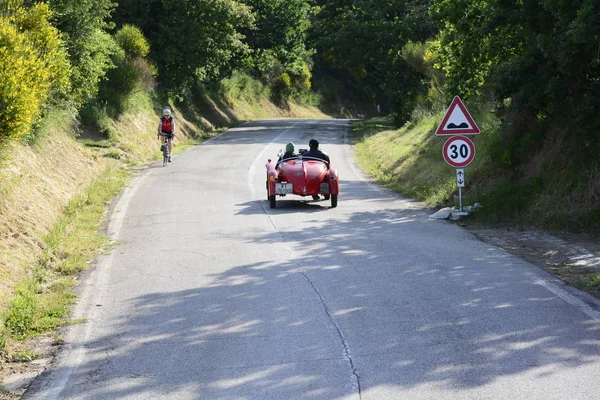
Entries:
{"x":259,"y":156}
{"x":94,"y":294}
{"x":569,"y":298}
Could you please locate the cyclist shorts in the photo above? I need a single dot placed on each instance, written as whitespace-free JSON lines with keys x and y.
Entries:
{"x":168,"y":135}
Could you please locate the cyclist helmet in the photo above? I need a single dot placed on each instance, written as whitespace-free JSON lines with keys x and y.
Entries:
{"x":289,"y":148}
{"x":166,"y":112}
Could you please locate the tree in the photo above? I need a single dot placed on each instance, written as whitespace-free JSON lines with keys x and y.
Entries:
{"x":278,"y":41}
{"x":540,"y":55}
{"x":84,"y":25}
{"x":33,"y":66}
{"x":190,"y":39}
{"x":362,"y":41}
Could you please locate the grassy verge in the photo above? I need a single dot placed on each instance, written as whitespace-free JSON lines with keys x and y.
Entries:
{"x":402,"y":159}
{"x":43,"y":300}
{"x":553,"y":186}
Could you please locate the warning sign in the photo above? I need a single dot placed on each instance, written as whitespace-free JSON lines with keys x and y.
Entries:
{"x":457,"y":121}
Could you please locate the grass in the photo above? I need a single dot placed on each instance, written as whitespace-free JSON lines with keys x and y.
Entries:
{"x":24,"y":356}
{"x":406,"y":159}
{"x":102,"y":144}
{"x":113,"y":154}
{"x":42,"y":302}
{"x":590,"y":283}
{"x":5,"y":392}
{"x":554,"y":185}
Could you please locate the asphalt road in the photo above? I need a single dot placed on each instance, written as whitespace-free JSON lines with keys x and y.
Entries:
{"x":212,"y":295}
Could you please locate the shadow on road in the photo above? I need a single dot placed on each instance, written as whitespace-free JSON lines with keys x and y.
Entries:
{"x":409,"y":320}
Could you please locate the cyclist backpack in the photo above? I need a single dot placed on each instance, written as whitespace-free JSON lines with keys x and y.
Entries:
{"x":166,"y":125}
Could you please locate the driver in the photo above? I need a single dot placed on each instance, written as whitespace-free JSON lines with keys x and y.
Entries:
{"x":289,"y":152}
{"x":314,"y":151}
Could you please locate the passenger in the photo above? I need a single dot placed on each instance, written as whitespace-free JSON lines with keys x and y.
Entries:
{"x":289,"y":152}
{"x":314,"y":151}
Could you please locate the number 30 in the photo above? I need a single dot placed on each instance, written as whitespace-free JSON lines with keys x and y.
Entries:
{"x":464,"y":151}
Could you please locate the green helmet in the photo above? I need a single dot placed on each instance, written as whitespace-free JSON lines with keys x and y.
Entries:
{"x":289,"y":148}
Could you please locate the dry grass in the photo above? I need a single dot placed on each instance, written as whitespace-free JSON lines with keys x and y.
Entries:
{"x":37,"y":187}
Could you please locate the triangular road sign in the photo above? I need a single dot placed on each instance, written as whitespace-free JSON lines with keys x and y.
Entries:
{"x":457,"y":121}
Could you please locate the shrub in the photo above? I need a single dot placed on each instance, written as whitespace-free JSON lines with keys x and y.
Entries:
{"x":301,"y":77}
{"x":33,"y":64}
{"x":131,"y":39}
{"x":131,"y":72}
{"x":84,"y":24}
{"x":285,"y":80}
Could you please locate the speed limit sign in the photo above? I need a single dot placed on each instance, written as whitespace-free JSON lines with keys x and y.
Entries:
{"x":459,"y":151}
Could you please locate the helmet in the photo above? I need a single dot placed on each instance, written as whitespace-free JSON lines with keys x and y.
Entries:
{"x":313,"y":143}
{"x":166,"y":112}
{"x":289,"y":147}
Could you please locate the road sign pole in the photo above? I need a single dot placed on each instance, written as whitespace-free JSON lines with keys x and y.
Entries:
{"x":460,"y":183}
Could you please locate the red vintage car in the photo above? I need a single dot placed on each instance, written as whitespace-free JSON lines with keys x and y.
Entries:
{"x":302,"y":176}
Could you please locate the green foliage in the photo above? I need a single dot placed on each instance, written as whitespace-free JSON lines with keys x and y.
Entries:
{"x":279,"y":41}
{"x":3,"y":339}
{"x":32,"y":66}
{"x":23,"y":356}
{"x":20,"y":317}
{"x":84,"y":25}
{"x":361,"y":42}
{"x":132,"y":41}
{"x":542,"y":55}
{"x":240,"y":86}
{"x":301,"y":76}
{"x":113,"y":154}
{"x":285,"y":80}
{"x":190,"y":39}
{"x":131,"y":71}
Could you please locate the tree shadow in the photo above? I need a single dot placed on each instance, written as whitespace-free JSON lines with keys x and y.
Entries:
{"x":313,"y":324}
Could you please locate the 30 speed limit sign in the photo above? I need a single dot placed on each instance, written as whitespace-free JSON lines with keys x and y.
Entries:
{"x":459,"y":151}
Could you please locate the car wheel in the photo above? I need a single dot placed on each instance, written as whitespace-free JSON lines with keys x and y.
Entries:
{"x":334,"y":200}
{"x":272,"y":201}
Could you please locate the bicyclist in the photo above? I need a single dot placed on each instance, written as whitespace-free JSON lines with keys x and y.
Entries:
{"x":166,"y":128}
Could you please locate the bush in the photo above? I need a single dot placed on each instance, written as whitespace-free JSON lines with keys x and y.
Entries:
{"x":285,"y":81}
{"x":33,"y":65}
{"x":131,"y":71}
{"x":132,"y":41}
{"x":242,"y":86}
{"x":84,"y":25}
{"x":301,"y":77}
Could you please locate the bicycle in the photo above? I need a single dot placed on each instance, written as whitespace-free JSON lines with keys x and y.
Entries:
{"x":165,"y":150}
